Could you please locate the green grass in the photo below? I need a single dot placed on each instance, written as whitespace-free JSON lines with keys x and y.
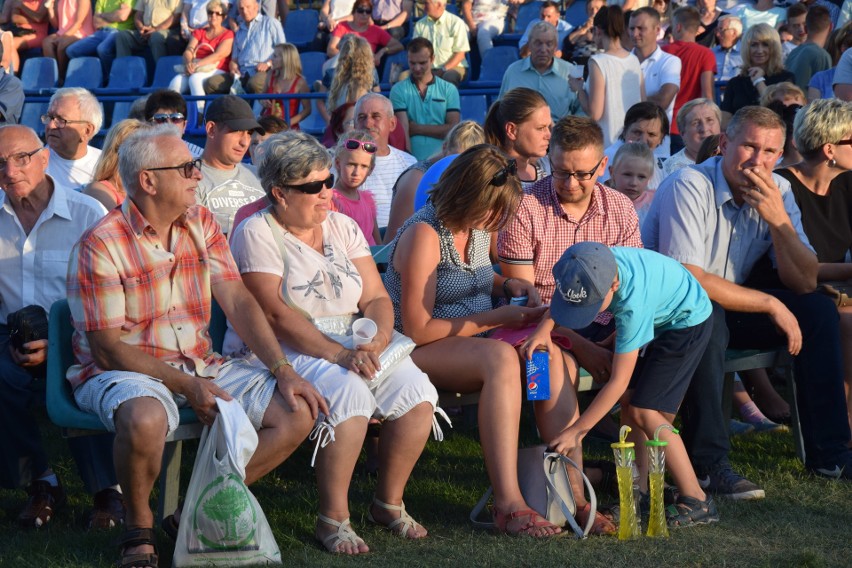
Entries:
{"x":804,"y":521}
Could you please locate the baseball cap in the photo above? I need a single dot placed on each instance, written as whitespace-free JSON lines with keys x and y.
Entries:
{"x":584,"y":275}
{"x":233,"y":112}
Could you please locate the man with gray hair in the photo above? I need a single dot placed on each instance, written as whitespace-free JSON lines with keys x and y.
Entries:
{"x":729,"y":58}
{"x":39,"y":224}
{"x":374,"y":113}
{"x":73,"y":118}
{"x":719,"y":218}
{"x":162,"y":249}
{"x":542,"y":71}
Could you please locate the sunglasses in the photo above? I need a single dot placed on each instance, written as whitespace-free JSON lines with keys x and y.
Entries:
{"x":314,"y":187}
{"x":502,"y":176}
{"x":352,"y":144}
{"x":847,"y":142}
{"x":186,"y":169}
{"x":174,"y":118}
{"x":214,"y":13}
{"x":363,"y":11}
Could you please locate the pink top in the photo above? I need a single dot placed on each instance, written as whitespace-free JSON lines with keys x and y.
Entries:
{"x":362,"y":210}
{"x":66,"y":14}
{"x":643,"y":203}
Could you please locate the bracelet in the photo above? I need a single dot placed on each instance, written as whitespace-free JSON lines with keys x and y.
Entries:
{"x":506,"y":291}
{"x":759,"y":80}
{"x":282,"y":362}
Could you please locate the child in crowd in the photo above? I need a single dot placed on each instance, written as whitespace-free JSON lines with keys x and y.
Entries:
{"x":631,"y":170}
{"x":354,"y":160}
{"x":786,"y":92}
{"x":662,"y":326}
{"x":285,"y":78}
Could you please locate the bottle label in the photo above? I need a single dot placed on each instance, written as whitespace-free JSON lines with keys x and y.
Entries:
{"x":538,"y":376}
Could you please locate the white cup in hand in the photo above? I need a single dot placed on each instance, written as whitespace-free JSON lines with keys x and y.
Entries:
{"x":577,"y":71}
{"x":363,"y":331}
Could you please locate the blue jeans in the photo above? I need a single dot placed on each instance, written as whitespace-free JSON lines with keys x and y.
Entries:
{"x":22,"y":455}
{"x":100,"y":44}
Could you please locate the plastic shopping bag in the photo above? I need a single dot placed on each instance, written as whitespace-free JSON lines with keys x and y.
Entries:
{"x":222,"y":523}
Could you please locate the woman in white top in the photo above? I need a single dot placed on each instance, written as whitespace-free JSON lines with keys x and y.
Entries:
{"x":615,"y":77}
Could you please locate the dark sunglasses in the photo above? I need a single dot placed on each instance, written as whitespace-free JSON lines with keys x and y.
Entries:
{"x":174,"y":118}
{"x":214,"y":13}
{"x":314,"y":187}
{"x":502,"y":176}
{"x":352,"y":144}
{"x":847,"y":142}
{"x":186,"y":169}
{"x":363,"y":11}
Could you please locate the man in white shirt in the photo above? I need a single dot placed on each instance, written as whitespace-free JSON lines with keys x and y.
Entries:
{"x":73,"y":118}
{"x":39,"y":223}
{"x":374,"y":113}
{"x":660,"y":69}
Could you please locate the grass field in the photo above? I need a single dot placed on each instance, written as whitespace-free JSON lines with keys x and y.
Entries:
{"x":804,"y":521}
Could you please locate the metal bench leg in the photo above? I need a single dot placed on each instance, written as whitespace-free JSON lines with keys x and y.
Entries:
{"x":169,"y":480}
{"x":795,"y":425}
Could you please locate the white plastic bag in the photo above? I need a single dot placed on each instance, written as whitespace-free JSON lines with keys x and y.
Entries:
{"x":221,"y":523}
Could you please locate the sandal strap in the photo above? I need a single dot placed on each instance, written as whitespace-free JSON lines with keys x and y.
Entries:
{"x":137,"y":537}
{"x":344,"y":533}
{"x":145,"y":560}
{"x":404,"y":519}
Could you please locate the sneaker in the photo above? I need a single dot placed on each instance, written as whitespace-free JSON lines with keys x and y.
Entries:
{"x":44,"y":499}
{"x":688,"y":512}
{"x":842,"y":470}
{"x":738,"y":428}
{"x":767,"y":425}
{"x":724,"y":482}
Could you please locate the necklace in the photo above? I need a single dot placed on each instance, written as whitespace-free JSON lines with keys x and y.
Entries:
{"x":314,"y":238}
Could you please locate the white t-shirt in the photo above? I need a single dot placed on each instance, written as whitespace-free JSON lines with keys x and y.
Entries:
{"x":660,"y":69}
{"x":340,"y":8}
{"x":380,"y":182}
{"x":73,"y":174}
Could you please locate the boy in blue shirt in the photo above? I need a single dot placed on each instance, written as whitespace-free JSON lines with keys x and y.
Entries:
{"x":662,"y":325}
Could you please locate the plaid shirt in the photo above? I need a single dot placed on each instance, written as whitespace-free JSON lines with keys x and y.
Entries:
{"x":119,"y":276}
{"x":541,"y":231}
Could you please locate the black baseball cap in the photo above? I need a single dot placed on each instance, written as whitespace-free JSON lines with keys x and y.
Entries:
{"x":233,"y":112}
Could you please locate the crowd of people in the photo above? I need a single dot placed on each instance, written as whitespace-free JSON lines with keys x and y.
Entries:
{"x":649,"y":223}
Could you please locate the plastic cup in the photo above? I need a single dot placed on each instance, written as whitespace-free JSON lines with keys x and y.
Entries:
{"x":577,"y":72}
{"x":363,"y":331}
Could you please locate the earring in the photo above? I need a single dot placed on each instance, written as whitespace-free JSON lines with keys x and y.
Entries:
{"x":832,"y":163}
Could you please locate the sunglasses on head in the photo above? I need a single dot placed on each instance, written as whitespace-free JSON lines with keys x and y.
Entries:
{"x":314,"y":187}
{"x":502,"y":176}
{"x":163,"y":118}
{"x":363,"y":11}
{"x":352,"y":144}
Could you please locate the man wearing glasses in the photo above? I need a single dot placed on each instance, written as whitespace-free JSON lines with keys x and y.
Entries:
{"x":140,"y":287}
{"x":227,"y":184}
{"x":73,"y":118}
{"x":38,"y":225}
{"x":729,"y":59}
{"x":168,"y":107}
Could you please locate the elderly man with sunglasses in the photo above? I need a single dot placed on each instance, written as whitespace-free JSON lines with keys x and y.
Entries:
{"x":227,"y":184}
{"x":39,"y":223}
{"x":140,"y":287}
{"x":73,"y":118}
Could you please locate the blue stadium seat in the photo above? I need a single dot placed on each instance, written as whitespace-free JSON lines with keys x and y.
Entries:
{"x":473,"y":107}
{"x":526,"y":14}
{"x":400,"y":58}
{"x":301,"y":27}
{"x":40,"y":74}
{"x":84,"y":72}
{"x":163,"y":73}
{"x":120,"y":111}
{"x":494,"y":64}
{"x":31,"y":116}
{"x":314,"y":123}
{"x":128,"y":75}
{"x":312,"y":65}
{"x":575,"y":14}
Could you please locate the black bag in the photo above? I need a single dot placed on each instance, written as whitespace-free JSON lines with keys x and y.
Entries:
{"x":25,"y":325}
{"x":17,"y":31}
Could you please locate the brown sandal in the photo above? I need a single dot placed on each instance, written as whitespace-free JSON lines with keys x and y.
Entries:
{"x":530,"y":528}
{"x":138,"y":537}
{"x":601,"y":527}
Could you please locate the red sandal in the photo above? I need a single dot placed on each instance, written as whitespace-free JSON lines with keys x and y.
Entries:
{"x":530,"y":528}
{"x":601,"y":527}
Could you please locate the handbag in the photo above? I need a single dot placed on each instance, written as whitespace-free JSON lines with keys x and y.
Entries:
{"x":222,"y":523}
{"x":839,"y":292}
{"x":546,"y":487}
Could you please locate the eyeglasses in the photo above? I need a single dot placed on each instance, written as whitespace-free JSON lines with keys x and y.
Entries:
{"x":214,"y":13}
{"x":186,"y":169}
{"x":579,"y":176}
{"x":847,"y":142}
{"x":502,"y":176}
{"x":163,"y":118}
{"x":19,"y":160}
{"x":59,"y":121}
{"x":352,"y":144}
{"x":314,"y":187}
{"x":363,"y":11}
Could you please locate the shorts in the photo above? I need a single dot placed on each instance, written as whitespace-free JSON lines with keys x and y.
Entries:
{"x":104,"y":393}
{"x":664,"y":371}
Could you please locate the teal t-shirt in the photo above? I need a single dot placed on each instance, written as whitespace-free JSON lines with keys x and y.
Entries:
{"x":441,"y":98}
{"x":656,"y":294}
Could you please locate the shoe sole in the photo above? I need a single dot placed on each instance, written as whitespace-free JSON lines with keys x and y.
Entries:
{"x":695,"y":523}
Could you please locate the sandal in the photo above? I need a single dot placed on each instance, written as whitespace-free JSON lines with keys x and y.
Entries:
{"x":530,"y":528}
{"x":602,"y":525}
{"x":400,"y":526}
{"x":343,"y":535}
{"x":108,"y":510}
{"x":138,"y":537}
{"x":689,"y":511}
{"x":170,"y":526}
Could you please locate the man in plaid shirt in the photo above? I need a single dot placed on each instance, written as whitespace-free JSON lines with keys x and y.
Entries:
{"x":139,"y":286}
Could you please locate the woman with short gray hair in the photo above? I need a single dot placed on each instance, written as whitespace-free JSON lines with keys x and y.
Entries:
{"x":822,"y":185}
{"x":312,"y":272}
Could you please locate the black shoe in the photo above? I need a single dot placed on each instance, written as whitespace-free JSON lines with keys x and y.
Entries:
{"x":44,"y":500}
{"x":108,"y":510}
{"x":842,"y":469}
{"x":688,"y":511}
{"x":725,"y":482}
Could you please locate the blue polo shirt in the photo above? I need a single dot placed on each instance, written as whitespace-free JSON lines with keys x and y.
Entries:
{"x":441,"y":97}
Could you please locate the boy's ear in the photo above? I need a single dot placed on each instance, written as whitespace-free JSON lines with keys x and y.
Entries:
{"x":616,"y":284}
